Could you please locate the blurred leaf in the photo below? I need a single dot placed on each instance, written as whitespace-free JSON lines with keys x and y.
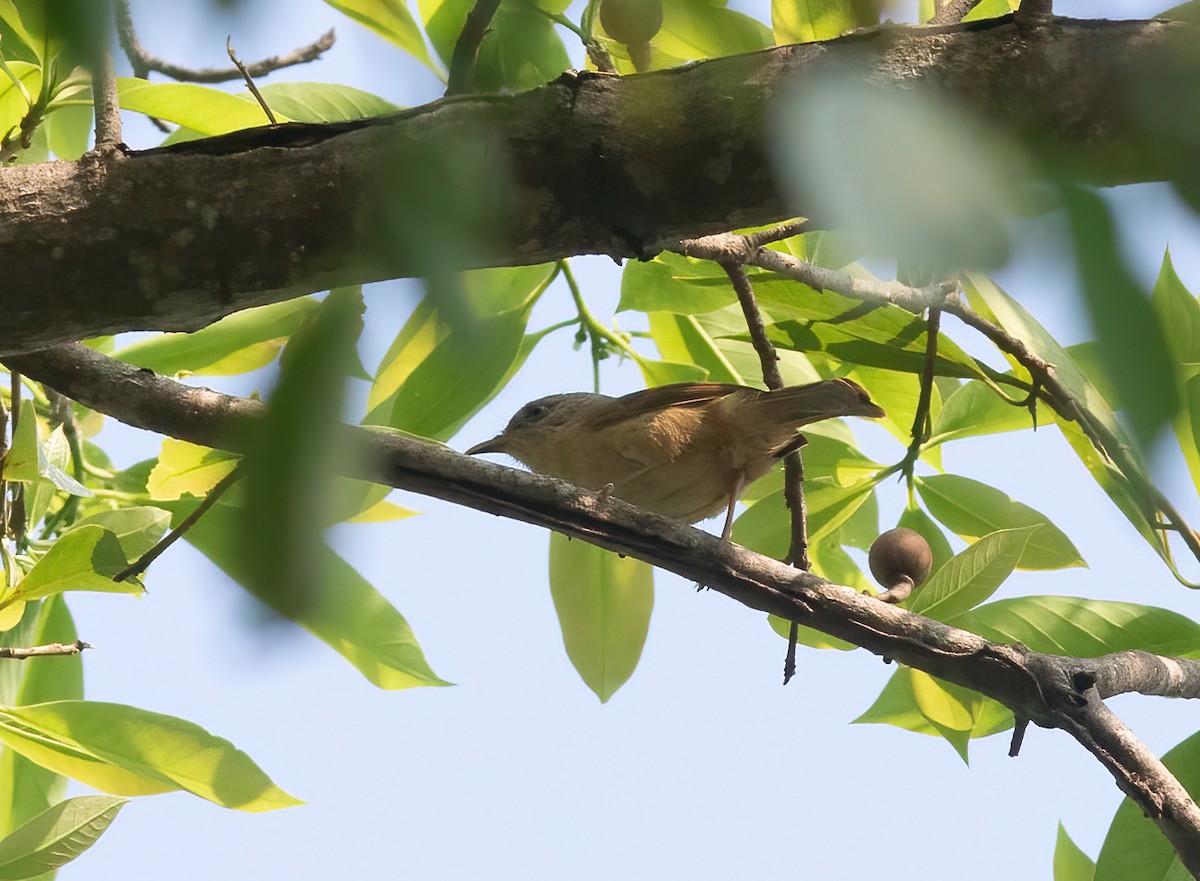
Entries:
{"x":289,"y":466}
{"x":908,"y":174}
{"x":1179,"y":314}
{"x":975,"y":409}
{"x":1071,"y":863}
{"x":971,"y":577}
{"x":243,"y":341}
{"x":521,"y":49}
{"x":187,"y":468}
{"x":694,"y":29}
{"x":918,"y":521}
{"x":348,"y":614}
{"x":603,"y":603}
{"x":972,"y":510}
{"x":1132,"y":343}
{"x":1083,"y":628}
{"x":681,"y":338}
{"x":127,"y":751}
{"x":27,"y":23}
{"x":82,"y":559}
{"x":68,"y":130}
{"x":667,"y":372}
{"x":202,"y":108}
{"x":391,"y":20}
{"x":324,"y":102}
{"x":24,"y":460}
{"x":27,"y":789}
{"x":13,"y":103}
{"x":56,"y":836}
{"x":438,"y":372}
{"x":1134,"y":849}
{"x":805,"y":21}
{"x":137,"y":528}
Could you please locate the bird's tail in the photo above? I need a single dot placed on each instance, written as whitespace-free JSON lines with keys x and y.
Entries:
{"x":803,"y":404}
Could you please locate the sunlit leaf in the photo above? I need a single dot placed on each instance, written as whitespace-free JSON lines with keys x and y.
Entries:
{"x":1179,"y":313}
{"x":202,"y":108}
{"x":56,"y":836}
{"x":1083,"y":628}
{"x":972,"y":510}
{"x":83,"y":559}
{"x":603,"y":603}
{"x":240,"y":342}
{"x":1071,"y":863}
{"x":137,"y":528}
{"x":187,"y":468}
{"x":127,"y":751}
{"x":391,"y":20}
{"x":805,"y":21}
{"x":681,"y":338}
{"x":766,"y":525}
{"x":918,"y":521}
{"x":24,"y":460}
{"x":972,"y":576}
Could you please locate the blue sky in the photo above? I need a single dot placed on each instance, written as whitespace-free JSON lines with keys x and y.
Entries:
{"x":702,"y":766}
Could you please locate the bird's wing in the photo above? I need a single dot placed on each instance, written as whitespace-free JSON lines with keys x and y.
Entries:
{"x":651,"y":400}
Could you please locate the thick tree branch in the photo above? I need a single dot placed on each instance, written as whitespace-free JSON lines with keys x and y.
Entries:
{"x":174,"y":238}
{"x":1050,"y":690}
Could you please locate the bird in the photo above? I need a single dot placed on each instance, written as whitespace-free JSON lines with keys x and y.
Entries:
{"x":685,"y":450}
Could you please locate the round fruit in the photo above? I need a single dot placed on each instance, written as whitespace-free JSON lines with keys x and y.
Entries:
{"x":631,"y":22}
{"x":900,"y":554}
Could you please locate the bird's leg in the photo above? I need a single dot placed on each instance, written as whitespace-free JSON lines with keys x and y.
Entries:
{"x":738,"y":486}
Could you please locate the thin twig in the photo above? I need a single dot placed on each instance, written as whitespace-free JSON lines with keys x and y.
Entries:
{"x":143,"y":62}
{"x":50,"y":650}
{"x":138,"y":566}
{"x":65,"y":414}
{"x":466,"y":50}
{"x":793,"y":464}
{"x":262,"y":102}
{"x":952,"y":12}
{"x":921,"y":422}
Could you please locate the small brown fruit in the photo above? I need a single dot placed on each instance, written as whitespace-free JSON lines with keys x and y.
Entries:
{"x":900,"y":560}
{"x":632,"y":22}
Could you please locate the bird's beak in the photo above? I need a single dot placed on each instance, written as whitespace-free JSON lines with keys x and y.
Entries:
{"x":495,"y":445}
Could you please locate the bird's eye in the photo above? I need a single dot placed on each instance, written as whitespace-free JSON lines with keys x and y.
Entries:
{"x":537,"y":411}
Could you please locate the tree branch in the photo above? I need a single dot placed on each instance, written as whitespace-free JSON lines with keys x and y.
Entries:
{"x":466,"y":49}
{"x":212,"y":226}
{"x":143,"y":62}
{"x":53,"y":649}
{"x":1050,"y":690}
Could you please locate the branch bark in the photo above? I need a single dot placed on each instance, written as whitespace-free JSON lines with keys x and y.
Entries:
{"x":174,"y":238}
{"x":1050,"y":690}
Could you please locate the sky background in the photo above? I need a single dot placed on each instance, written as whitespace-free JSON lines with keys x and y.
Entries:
{"x":701,"y":766}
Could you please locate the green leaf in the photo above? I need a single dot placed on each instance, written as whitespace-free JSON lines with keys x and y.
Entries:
{"x":24,"y":460}
{"x":187,"y":468}
{"x":27,"y":23}
{"x":972,"y":576}
{"x":137,"y":528}
{"x":1133,"y":345}
{"x":83,"y":559}
{"x":439,"y":372}
{"x":13,"y":103}
{"x":68,"y":130}
{"x":1179,"y":314}
{"x":56,"y":836}
{"x":603,"y":603}
{"x":694,"y":29}
{"x":938,"y":711}
{"x":27,"y":789}
{"x":674,"y":283}
{"x":1134,"y":849}
{"x":325,"y":102}
{"x":391,"y":20}
{"x":918,"y":521}
{"x":1071,"y":863}
{"x":521,"y":50}
{"x":806,"y":21}
{"x":976,"y":409}
{"x":1083,"y":628}
{"x":766,"y":525}
{"x":238,"y":343}
{"x":667,"y":372}
{"x":972,"y":510}
{"x":127,"y":751}
{"x":204,"y":109}
{"x":680,"y":338}
{"x":348,"y":613}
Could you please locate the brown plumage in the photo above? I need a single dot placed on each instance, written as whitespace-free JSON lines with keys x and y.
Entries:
{"x":686,"y":450}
